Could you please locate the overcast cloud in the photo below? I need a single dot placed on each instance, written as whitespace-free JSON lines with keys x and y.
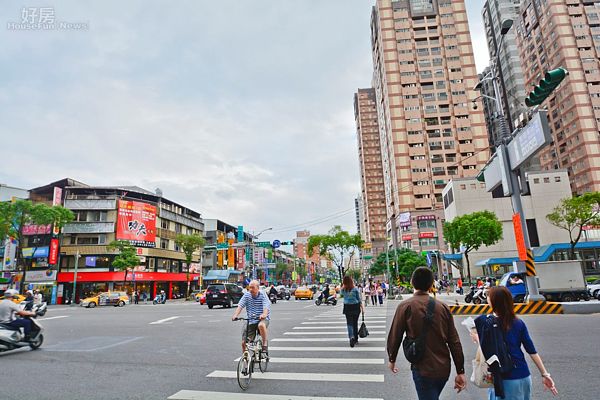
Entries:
{"x":241,"y":110}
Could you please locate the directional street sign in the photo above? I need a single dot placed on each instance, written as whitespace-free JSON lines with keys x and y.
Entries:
{"x":222,"y":246}
{"x":529,"y":140}
{"x":276,"y":244}
{"x":207,"y":248}
{"x":263,"y":244}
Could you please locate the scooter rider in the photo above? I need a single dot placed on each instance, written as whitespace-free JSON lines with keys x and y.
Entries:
{"x":325,"y":293}
{"x":29,"y":300}
{"x":7,"y":310}
{"x":273,"y":291}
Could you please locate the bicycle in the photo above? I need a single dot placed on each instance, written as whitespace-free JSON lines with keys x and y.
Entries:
{"x":252,"y":355}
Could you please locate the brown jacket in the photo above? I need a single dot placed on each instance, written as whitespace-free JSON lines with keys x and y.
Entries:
{"x":442,"y":338}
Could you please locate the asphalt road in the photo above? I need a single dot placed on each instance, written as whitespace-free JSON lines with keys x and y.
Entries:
{"x":186,"y":351}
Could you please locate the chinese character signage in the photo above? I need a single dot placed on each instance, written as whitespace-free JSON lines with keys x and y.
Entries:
{"x":425,"y":217}
{"x":53,"y":258}
{"x":240,"y":233}
{"x":427,"y":234}
{"x":240,"y":259}
{"x":404,"y":219}
{"x":406,"y":237}
{"x":10,"y":251}
{"x":137,"y":223}
{"x":36,"y":229}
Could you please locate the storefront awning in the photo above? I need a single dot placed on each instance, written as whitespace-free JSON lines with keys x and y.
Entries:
{"x":496,"y":261}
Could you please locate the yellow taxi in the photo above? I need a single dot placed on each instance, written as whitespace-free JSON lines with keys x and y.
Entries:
{"x":17,"y":299}
{"x":303,"y":293}
{"x":116,"y":299}
{"x":201,"y":297}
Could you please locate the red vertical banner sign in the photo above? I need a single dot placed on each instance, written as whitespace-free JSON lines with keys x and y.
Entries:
{"x":240,"y":259}
{"x":53,"y":256}
{"x":519,"y":237}
{"x":220,"y":239}
{"x":56,"y":201}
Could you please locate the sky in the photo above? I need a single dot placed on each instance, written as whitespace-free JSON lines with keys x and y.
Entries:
{"x":240,"y":110}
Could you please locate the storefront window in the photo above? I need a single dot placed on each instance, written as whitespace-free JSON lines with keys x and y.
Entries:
{"x":91,"y":289}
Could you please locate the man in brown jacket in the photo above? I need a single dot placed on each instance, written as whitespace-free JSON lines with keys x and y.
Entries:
{"x":431,"y":374}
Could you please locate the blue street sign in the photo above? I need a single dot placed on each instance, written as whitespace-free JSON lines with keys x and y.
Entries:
{"x":429,"y":259}
{"x":30,"y":286}
{"x":276,"y":244}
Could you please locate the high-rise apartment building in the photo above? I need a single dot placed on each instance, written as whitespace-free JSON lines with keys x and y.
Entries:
{"x":566,"y":33}
{"x":301,"y":247}
{"x":503,"y":49}
{"x":424,"y":74}
{"x":372,"y":199}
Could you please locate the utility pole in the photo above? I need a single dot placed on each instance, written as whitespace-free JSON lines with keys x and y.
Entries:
{"x":75,"y":278}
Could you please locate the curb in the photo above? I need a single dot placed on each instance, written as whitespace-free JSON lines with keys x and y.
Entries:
{"x":533,"y":307}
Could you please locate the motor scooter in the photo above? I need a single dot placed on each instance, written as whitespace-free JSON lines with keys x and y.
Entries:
{"x":479,"y":297}
{"x":40,"y":309}
{"x":273,"y":298}
{"x":331,"y":300}
{"x":470,"y":294}
{"x":14,"y":338}
{"x":159,"y":299}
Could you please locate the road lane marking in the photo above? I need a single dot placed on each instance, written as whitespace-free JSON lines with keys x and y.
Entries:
{"x":58,"y":316}
{"x":216,"y":320}
{"x":325,"y":340}
{"x":59,"y":309}
{"x":333,"y":323}
{"x":190,"y":322}
{"x":331,"y":333}
{"x":202,"y":395}
{"x":297,"y":376}
{"x":312,"y":305}
{"x":305,"y":360}
{"x":162,"y":321}
{"x":337,"y":349}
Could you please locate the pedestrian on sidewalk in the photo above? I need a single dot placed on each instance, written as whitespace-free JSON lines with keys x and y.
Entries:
{"x":367,"y":293}
{"x":380,"y":295}
{"x":447,"y":285}
{"x":145,"y":297}
{"x":373,"y":292}
{"x":134,"y":295}
{"x":460,"y":284}
{"x":515,"y":383}
{"x":352,"y":308}
{"x":432,"y":372}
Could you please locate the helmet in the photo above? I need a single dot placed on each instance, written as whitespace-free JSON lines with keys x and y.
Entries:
{"x":28,"y":292}
{"x":10,"y":293}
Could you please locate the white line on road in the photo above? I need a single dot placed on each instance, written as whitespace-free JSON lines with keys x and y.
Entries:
{"x":324,"y":360}
{"x":331,"y":333}
{"x":190,"y":322}
{"x":334,"y":327}
{"x":58,"y":316}
{"x":337,"y":349}
{"x":289,"y":376}
{"x":216,"y":320}
{"x":325,"y":340}
{"x":161,"y":321}
{"x":58,"y":309}
{"x":201,"y":395}
{"x":312,"y":305}
{"x":343,"y":323}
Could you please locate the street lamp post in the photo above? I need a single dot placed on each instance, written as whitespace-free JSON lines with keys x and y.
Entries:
{"x":252,"y":247}
{"x":75,"y":278}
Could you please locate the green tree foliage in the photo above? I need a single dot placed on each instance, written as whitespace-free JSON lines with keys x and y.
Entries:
{"x":15,"y":215}
{"x":355,"y":274}
{"x":572,"y":214}
{"x":281,"y":270}
{"x":338,"y":245}
{"x":190,"y":244}
{"x":473,"y":231}
{"x":126,"y":259}
{"x":408,"y":261}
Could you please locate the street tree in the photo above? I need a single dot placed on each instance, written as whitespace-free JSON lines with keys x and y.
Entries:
{"x":355,"y":274}
{"x":126,"y":259}
{"x":281,"y":270}
{"x":14,"y":216}
{"x":574,"y":214}
{"x":408,"y":261}
{"x":472,"y":231}
{"x":338,"y":245}
{"x":189,"y":244}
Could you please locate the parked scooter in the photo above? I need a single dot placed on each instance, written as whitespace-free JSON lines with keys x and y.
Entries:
{"x":331,"y":300}
{"x":14,"y":338}
{"x":469,"y":296}
{"x":160,"y":298}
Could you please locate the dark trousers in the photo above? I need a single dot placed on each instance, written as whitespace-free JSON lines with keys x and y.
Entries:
{"x":428,"y":388}
{"x":374,"y":299}
{"x":460,"y":289}
{"x":352,"y":325}
{"x":22,"y":323}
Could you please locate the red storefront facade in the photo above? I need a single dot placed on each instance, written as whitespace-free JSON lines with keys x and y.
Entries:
{"x":103,"y":281}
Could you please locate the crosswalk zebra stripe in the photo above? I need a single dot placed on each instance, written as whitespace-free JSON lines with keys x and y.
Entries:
{"x":332,"y":348}
{"x":306,"y":360}
{"x":302,"y":376}
{"x":205,"y":395}
{"x":331,"y":333}
{"x":333,"y":327}
{"x":368,"y":339}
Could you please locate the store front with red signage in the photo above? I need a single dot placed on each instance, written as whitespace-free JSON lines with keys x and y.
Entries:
{"x":148,"y":282}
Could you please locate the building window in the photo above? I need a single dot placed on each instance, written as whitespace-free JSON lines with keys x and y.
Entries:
{"x":164,"y":224}
{"x":428,"y":242}
{"x":427,"y":224}
{"x":164,"y":244}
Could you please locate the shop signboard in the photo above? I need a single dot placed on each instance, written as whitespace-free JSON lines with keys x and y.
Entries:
{"x":33,"y":229}
{"x":53,"y":258}
{"x":231,"y":253}
{"x":136,"y":223}
{"x":240,"y":233}
{"x":425,"y":217}
{"x":406,"y":237}
{"x":404,"y":219}
{"x":53,"y":298}
{"x":36,"y":252}
{"x":40,"y":276}
{"x":427,"y":234}
{"x":10,"y":252}
{"x":240,"y":258}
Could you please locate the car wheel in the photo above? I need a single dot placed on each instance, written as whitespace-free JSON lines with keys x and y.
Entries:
{"x":121,"y":303}
{"x":519,"y":298}
{"x":91,"y":305}
{"x":595,"y":294}
{"x":230,"y":305}
{"x":210,"y":306}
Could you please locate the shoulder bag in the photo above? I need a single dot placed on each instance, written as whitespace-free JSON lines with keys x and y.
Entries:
{"x":363,"y":332}
{"x":414,"y":349}
{"x":481,"y":377}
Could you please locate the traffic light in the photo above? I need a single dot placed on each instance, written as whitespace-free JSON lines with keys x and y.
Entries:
{"x":541,"y":92}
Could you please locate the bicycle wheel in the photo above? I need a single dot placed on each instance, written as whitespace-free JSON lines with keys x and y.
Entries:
{"x":244,"y":378}
{"x":263,"y":361}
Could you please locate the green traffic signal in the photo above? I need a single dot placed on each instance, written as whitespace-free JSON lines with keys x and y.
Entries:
{"x":541,"y":92}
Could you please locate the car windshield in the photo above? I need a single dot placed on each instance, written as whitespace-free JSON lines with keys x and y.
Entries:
{"x":596,"y":282}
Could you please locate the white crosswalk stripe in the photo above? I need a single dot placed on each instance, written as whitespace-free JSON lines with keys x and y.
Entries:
{"x":334,"y":327}
{"x":331,"y":333}
{"x":203,"y":395}
{"x":367,"y":339}
{"x":303,"y":376}
{"x":307,"y":360}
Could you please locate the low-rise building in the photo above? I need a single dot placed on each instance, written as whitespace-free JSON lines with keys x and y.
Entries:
{"x":467,"y":195}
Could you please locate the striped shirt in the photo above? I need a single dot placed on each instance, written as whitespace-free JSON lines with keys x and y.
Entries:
{"x":255,"y":305}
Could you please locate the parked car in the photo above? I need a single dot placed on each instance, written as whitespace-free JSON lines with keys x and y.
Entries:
{"x":223,"y":294}
{"x":116,"y":299}
{"x":594,"y":288}
{"x":303,"y":293}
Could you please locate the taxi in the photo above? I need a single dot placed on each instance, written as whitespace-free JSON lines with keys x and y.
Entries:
{"x":17,"y":299}
{"x":201,"y":297}
{"x":303,"y":293}
{"x":116,"y":299}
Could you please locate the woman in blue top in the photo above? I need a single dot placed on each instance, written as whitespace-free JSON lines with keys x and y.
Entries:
{"x":517,"y":381}
{"x":352,"y":308}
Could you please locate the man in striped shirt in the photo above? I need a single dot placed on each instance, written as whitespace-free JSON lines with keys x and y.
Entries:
{"x":258,"y":309}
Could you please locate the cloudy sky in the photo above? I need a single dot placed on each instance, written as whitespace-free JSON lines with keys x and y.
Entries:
{"x":241,"y":110}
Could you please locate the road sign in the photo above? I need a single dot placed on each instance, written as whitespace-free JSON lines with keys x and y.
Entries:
{"x":529,"y":140}
{"x":429,"y":259}
{"x":263,"y":244}
{"x":210,"y":247}
{"x":276,"y":244}
{"x":519,"y":237}
{"x":222,"y":246}
{"x":240,"y":233}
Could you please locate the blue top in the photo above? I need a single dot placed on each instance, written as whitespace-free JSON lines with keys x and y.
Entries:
{"x":255,"y":306}
{"x":514,"y":338}
{"x":352,"y":297}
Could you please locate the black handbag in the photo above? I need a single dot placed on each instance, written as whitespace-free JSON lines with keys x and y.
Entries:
{"x":414,"y":349}
{"x":363,"y":332}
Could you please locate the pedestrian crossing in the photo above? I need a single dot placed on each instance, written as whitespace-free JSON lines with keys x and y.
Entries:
{"x":315,"y":350}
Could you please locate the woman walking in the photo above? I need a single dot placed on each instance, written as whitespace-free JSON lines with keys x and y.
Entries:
{"x":373,"y":290}
{"x":367,"y":293}
{"x":352,"y":308}
{"x":515,"y":382}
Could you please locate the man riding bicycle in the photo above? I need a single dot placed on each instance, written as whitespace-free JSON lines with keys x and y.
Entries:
{"x":257,"y":304}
